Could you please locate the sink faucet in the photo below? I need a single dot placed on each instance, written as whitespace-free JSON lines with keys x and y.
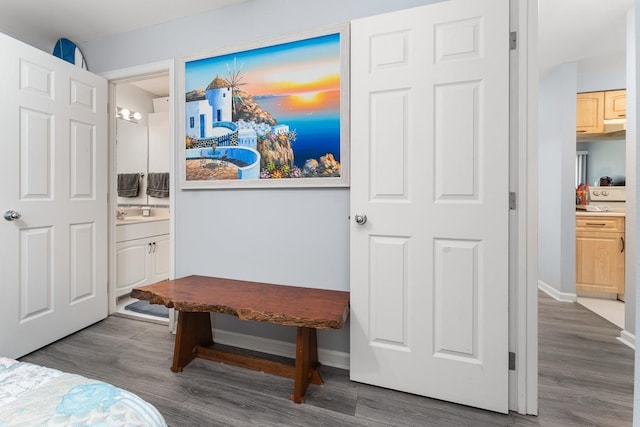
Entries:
{"x":121,"y":213}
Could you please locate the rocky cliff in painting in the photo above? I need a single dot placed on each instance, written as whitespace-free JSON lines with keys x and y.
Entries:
{"x":275,"y":151}
{"x":326,"y":166}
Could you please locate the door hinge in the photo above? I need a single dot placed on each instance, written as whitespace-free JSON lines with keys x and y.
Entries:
{"x":512,"y":201}
{"x":512,"y":361}
{"x":513,"y":40}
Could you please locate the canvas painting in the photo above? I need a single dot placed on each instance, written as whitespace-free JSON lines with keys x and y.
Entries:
{"x":268,"y":116}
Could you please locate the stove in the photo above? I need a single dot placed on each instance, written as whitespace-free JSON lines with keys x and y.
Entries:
{"x":613,"y":198}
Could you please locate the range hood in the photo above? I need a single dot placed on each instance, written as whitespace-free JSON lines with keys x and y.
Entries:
{"x":615,"y":125}
{"x":613,"y":129}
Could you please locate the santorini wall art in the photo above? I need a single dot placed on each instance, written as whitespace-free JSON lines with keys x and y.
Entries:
{"x":269,"y":116}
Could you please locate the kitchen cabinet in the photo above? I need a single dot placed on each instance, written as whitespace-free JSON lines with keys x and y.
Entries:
{"x":142,"y":255}
{"x":600,"y":248}
{"x":593,"y":108}
{"x":615,"y":104}
{"x":590,"y":112}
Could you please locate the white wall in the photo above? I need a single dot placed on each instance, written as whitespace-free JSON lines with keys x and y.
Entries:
{"x":602,"y":73}
{"x":296,"y":237}
{"x":135,"y":99}
{"x":556,"y":186}
{"x":606,"y":158}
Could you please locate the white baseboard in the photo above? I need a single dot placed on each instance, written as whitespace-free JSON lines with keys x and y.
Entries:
{"x":337,"y":359}
{"x":555,"y":294}
{"x":627,"y":338}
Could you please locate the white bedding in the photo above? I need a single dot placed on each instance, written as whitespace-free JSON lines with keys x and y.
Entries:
{"x":32,"y":395}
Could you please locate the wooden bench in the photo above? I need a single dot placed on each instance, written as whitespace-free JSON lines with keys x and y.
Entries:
{"x":195,"y":297}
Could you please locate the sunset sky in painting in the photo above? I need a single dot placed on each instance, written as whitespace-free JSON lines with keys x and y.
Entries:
{"x":307,"y":68}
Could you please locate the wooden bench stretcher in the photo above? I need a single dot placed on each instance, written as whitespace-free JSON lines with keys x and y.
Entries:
{"x":195,"y":297}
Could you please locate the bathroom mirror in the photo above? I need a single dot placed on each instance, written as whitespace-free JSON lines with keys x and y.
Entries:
{"x":131,"y":157}
{"x":142,"y":146}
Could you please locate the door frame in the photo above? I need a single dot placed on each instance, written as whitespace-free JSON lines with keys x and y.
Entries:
{"x":122,"y":76}
{"x":523,"y":181}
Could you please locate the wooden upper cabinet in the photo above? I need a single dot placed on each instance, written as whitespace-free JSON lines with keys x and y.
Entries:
{"x":590,"y":112}
{"x":615,"y":104}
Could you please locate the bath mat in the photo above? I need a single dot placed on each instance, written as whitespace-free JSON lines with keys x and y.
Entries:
{"x":144,"y":307}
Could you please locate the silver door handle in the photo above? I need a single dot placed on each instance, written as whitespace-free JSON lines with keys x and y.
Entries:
{"x":12,"y":215}
{"x":360,"y":219}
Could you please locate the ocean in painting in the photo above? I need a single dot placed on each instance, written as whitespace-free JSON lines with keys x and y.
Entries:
{"x":317,"y":129}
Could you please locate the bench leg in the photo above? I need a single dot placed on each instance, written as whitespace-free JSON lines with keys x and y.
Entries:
{"x":194,"y":329}
{"x":306,"y":370}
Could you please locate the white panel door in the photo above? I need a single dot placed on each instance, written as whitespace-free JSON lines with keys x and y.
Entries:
{"x":53,"y":172}
{"x":429,"y":111}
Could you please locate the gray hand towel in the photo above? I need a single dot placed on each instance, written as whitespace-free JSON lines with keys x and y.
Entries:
{"x":158,"y":184}
{"x":128,"y":184}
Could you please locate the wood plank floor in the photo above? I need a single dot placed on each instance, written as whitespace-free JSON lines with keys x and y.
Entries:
{"x":586,"y":379}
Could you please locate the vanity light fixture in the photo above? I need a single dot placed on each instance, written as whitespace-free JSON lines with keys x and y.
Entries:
{"x":126,"y":114}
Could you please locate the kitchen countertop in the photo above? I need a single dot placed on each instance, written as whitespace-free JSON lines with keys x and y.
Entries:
{"x":610,"y":213}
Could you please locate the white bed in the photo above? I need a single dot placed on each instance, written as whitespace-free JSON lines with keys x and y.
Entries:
{"x":37,"y":396}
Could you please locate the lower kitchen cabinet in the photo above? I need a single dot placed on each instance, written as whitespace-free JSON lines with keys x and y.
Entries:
{"x":600,"y":249}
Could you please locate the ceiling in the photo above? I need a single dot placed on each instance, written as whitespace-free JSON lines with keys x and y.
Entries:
{"x":569,"y":30}
{"x":158,"y":86}
{"x":578,"y":30}
{"x":42,"y":22}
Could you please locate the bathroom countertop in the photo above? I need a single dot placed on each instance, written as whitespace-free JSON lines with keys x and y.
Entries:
{"x":139,"y":218}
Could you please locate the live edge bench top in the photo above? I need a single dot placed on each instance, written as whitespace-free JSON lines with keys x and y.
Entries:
{"x":262,"y":302}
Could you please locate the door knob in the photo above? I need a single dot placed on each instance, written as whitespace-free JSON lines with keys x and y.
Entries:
{"x":360,"y":219}
{"x":12,"y":215}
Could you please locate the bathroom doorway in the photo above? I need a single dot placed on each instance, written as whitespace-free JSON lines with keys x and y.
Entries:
{"x":141,"y":186}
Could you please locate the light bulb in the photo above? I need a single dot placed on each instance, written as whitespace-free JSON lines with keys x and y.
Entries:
{"x":137,"y":115}
{"x":125,"y":113}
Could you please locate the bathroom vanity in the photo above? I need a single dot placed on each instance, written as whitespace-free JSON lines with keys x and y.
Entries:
{"x":142,"y":251}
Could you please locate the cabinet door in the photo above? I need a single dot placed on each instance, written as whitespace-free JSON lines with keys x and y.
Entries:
{"x":590,"y":112}
{"x":615,"y":104}
{"x":600,"y":262}
{"x":160,"y":258}
{"x":133,"y":264}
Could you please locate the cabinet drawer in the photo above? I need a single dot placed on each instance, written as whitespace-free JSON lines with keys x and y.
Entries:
{"x":600,"y":223}
{"x":140,"y":230}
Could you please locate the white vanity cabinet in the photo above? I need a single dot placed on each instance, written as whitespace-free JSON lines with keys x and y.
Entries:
{"x":142,"y":254}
